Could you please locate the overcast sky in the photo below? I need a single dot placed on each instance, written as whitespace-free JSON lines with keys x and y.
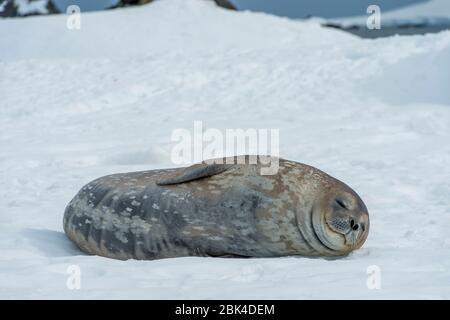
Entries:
{"x":289,"y":8}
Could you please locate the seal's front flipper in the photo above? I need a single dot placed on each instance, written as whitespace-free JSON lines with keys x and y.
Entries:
{"x":194,"y":172}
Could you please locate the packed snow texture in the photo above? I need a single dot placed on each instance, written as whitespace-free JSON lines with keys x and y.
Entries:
{"x":79,"y":104}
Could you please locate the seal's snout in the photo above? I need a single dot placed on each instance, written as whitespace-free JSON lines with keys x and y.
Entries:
{"x":348,"y":216}
{"x":355,"y":218}
{"x":358,"y":226}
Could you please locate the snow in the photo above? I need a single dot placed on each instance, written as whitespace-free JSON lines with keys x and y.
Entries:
{"x":3,"y":5}
{"x":431,"y":12}
{"x":79,"y":104}
{"x":25,"y":7}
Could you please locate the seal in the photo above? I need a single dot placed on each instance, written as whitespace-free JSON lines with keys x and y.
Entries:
{"x":223,"y":208}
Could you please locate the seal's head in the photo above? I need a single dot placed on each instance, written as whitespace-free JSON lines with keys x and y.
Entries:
{"x":340,"y":218}
{"x":333,"y":220}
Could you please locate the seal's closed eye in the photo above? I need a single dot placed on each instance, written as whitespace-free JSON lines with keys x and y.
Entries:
{"x":194,"y":172}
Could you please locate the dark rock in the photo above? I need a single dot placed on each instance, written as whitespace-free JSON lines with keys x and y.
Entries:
{"x":124,"y":3}
{"x":225,"y":4}
{"x":11,"y":8}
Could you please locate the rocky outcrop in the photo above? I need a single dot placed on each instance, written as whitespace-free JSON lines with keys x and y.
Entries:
{"x":225,"y":4}
{"x":23,"y":8}
{"x":221,"y":3}
{"x":125,"y":3}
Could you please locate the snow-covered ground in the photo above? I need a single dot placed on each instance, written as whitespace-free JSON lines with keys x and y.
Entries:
{"x":79,"y":104}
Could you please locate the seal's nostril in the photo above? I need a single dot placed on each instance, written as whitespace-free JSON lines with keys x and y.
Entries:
{"x":352,"y":223}
{"x":355,"y":227}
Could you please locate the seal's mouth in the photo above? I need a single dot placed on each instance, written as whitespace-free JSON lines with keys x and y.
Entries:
{"x":330,"y":240}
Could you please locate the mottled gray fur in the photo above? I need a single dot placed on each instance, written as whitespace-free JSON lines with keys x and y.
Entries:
{"x":217,"y":210}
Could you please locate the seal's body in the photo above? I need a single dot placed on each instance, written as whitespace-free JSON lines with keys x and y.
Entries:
{"x":218,"y":210}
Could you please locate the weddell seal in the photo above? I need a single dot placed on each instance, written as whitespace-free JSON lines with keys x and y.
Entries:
{"x":218,"y":210}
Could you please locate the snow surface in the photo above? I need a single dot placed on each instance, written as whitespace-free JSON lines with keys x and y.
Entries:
{"x":431,"y":12}
{"x":79,"y":104}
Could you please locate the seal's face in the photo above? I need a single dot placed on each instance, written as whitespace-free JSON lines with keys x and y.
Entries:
{"x":341,"y":219}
